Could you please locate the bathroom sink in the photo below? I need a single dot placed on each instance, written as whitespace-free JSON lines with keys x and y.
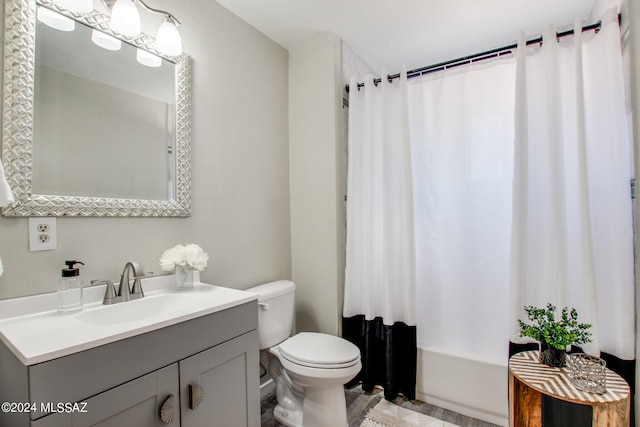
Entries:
{"x":33,"y":329}
{"x":155,"y":304}
{"x":133,"y":311}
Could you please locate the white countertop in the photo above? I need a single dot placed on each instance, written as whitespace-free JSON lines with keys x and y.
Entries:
{"x":35,"y":332}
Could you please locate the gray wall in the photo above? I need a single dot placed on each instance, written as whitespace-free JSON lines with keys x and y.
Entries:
{"x":240,"y":173}
{"x":317,"y":177}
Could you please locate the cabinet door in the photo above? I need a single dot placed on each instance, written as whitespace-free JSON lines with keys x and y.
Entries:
{"x":221,"y":386}
{"x":136,"y":403}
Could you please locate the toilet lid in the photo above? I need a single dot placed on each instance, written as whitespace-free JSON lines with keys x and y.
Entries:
{"x":319,"y":350}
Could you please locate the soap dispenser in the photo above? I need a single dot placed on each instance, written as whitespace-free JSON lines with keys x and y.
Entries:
{"x":70,"y":288}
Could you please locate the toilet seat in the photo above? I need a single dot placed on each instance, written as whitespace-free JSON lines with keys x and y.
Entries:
{"x":316,"y":350}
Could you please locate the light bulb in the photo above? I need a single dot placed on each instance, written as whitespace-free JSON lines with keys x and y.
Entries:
{"x":125,"y":18}
{"x":55,"y":20}
{"x":78,"y":6}
{"x":105,"y":41}
{"x":168,"y":39}
{"x":148,"y":59}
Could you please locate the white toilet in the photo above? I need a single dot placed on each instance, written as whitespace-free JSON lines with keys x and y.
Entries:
{"x":309,"y":369}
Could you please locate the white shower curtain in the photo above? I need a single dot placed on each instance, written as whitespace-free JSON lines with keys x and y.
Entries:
{"x":462,"y":139}
{"x":380,"y":273}
{"x":497,"y":224}
{"x":572,"y":241}
{"x":379,"y":297}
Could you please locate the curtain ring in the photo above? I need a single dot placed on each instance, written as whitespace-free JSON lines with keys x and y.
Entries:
{"x":599,"y":27}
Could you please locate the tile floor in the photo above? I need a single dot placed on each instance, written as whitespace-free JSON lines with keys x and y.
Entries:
{"x":359,"y":402}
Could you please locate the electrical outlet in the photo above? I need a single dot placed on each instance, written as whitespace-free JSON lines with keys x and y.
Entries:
{"x":43,"y":234}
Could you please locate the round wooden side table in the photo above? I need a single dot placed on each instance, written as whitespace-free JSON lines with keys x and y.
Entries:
{"x":529,"y":380}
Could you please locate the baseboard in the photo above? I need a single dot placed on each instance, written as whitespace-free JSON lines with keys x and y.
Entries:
{"x":267,"y":388}
{"x":464,"y":410}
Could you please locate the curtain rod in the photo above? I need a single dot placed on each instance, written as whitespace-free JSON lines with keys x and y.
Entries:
{"x":492,"y":53}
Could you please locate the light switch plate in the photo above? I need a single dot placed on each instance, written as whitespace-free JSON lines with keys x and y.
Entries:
{"x":43,"y":234}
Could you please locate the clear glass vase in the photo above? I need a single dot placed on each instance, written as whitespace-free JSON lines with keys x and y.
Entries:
{"x":184,"y":277}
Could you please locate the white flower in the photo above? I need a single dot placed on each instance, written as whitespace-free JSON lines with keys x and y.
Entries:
{"x":196,"y":257}
{"x":191,"y":255}
{"x":172,"y":257}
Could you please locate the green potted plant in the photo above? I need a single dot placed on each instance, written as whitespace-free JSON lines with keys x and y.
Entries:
{"x":554,"y":335}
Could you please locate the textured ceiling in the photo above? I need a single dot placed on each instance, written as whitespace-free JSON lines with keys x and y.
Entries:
{"x":390,"y":33}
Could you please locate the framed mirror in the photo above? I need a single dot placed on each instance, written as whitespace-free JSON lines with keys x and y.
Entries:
{"x":90,"y":129}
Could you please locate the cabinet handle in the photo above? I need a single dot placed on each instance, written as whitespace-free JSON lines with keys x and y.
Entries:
{"x":167,"y":409}
{"x":196,"y":394}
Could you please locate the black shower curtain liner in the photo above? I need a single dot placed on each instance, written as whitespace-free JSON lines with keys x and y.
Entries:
{"x":388,"y":355}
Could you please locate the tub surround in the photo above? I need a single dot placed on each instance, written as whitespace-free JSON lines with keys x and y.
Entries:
{"x":458,"y":382}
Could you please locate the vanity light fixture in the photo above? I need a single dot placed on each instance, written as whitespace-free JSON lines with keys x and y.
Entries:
{"x":105,"y":41}
{"x":168,"y":38}
{"x":55,"y":20}
{"x":148,"y":59}
{"x":125,"y":19}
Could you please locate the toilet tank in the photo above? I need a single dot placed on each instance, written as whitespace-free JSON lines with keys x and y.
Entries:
{"x":275,"y":311}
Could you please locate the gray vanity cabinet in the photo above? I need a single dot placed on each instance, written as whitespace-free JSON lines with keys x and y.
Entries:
{"x":126,"y":382}
{"x":135,"y":403}
{"x":217,"y":386}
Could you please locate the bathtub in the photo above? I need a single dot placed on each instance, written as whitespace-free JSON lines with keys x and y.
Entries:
{"x":470,"y":386}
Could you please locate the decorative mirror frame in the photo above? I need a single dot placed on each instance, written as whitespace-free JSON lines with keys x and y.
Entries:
{"x":17,"y":123}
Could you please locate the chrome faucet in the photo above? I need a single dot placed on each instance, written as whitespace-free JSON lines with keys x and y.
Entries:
{"x":124,"y":292}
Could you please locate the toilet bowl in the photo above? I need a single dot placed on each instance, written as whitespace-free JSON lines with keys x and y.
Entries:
{"x":309,"y":369}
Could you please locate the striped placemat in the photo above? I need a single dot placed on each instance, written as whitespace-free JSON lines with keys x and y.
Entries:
{"x":556,"y":382}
